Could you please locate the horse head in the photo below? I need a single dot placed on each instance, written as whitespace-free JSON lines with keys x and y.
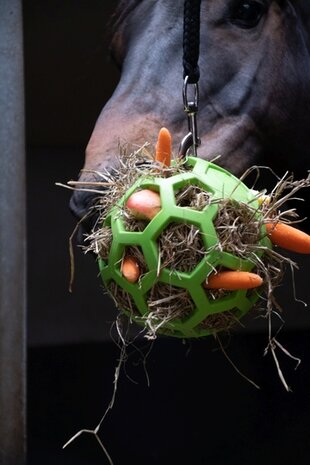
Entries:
{"x":254,"y":85}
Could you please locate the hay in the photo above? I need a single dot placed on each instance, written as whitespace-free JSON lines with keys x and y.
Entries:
{"x":221,"y":321}
{"x":122,"y":299}
{"x":181,"y":246}
{"x":237,"y":228}
{"x":101,"y":242}
{"x":129,"y":168}
{"x":131,"y":223}
{"x":166,"y":303}
{"x":192,"y":196}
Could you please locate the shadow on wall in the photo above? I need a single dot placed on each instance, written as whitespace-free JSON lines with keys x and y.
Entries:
{"x":68,"y":79}
{"x":69,"y":74}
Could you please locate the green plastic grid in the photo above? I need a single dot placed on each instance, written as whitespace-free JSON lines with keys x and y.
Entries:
{"x":221,"y":184}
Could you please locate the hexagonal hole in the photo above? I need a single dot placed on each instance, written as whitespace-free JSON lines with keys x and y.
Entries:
{"x":181,"y":247}
{"x":192,"y":196}
{"x":131,"y":223}
{"x":237,"y":227}
{"x":221,"y":321}
{"x":169,"y":302}
{"x":136,"y":253}
{"x":122,"y":299}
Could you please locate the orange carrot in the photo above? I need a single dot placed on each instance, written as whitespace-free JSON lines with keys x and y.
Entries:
{"x":233,"y":280}
{"x":163,"y":147}
{"x":130,"y":269}
{"x":289,"y":238}
{"x":144,"y":204}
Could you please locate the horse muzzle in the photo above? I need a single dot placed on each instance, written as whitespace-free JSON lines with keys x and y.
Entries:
{"x":82,"y":206}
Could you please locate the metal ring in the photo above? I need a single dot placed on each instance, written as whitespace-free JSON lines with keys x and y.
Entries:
{"x":186,"y":102}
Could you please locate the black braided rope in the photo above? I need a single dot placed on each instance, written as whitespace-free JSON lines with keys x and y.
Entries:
{"x":191,"y":40}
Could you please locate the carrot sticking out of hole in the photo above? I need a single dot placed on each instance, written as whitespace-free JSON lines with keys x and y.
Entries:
{"x":163,"y":147}
{"x":233,"y":280}
{"x":130,"y":269}
{"x":289,"y":238}
{"x":144,"y":204}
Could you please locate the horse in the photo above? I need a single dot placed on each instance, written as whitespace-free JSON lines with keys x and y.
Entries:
{"x":254,"y":105}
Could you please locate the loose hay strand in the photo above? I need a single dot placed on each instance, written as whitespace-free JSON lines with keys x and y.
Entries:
{"x":95,"y":432}
{"x":218,"y":339}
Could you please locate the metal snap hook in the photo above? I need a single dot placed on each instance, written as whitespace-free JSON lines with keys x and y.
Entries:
{"x":190,"y":104}
{"x":191,"y":109}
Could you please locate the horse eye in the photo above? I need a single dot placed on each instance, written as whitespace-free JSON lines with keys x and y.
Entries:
{"x":247,"y":14}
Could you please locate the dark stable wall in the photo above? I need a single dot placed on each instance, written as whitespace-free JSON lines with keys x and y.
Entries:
{"x":69,"y":76}
{"x":198,"y":409}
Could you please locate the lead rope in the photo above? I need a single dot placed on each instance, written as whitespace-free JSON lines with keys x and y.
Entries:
{"x":191,"y":74}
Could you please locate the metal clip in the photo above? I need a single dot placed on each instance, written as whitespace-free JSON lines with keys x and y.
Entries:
{"x":190,"y":108}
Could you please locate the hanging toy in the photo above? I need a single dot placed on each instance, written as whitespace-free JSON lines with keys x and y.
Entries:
{"x":187,"y":248}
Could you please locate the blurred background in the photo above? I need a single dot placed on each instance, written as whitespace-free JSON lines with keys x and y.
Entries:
{"x":198,"y":409}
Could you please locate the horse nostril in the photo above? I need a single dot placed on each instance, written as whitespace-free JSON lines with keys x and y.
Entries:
{"x":81,"y":204}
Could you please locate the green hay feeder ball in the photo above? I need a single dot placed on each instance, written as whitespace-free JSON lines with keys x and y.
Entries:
{"x":170,"y":296}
